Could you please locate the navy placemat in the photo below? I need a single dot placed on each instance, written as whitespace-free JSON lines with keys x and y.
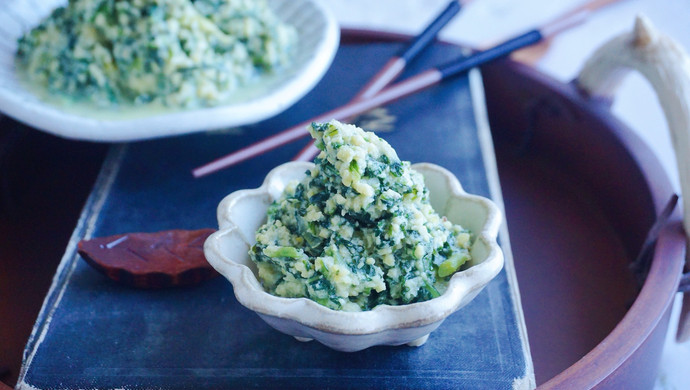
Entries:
{"x":95,"y":333}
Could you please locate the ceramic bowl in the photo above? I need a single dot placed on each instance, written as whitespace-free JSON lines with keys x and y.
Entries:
{"x":241,"y":213}
{"x":318,"y":39}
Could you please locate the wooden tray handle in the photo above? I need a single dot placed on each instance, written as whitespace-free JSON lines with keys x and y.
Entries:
{"x":666,"y":66}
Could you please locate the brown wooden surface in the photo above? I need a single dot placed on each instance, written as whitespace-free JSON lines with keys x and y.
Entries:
{"x":583,"y":191}
{"x":44,"y":182}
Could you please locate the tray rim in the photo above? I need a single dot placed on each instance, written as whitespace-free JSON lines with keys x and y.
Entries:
{"x":602,"y":366}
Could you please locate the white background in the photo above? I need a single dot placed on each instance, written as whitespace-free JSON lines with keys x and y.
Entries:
{"x":485,"y":21}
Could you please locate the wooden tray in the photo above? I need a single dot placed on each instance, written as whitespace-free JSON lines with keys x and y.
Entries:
{"x":581,"y":192}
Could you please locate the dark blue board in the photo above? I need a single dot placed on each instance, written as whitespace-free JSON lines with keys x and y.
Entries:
{"x":95,"y":333}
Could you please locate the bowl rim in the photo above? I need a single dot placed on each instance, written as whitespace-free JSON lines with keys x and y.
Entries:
{"x":250,"y":294}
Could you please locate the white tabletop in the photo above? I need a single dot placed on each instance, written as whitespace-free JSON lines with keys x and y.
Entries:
{"x":485,"y":21}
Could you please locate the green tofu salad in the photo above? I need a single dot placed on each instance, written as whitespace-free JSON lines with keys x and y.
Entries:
{"x":358,"y":231}
{"x":176,"y":53}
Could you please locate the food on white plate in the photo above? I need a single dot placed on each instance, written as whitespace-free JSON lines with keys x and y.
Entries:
{"x":171,"y":53}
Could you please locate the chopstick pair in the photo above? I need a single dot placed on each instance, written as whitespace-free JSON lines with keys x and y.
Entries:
{"x":388,"y":93}
{"x":395,"y":66}
{"x":389,"y":72}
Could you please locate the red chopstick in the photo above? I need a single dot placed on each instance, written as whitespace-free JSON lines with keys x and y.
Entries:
{"x":409,"y":86}
{"x":396,"y":91}
{"x":388,"y":73}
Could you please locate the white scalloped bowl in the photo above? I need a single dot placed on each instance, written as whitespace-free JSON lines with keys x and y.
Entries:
{"x":318,"y":39}
{"x":241,"y":213}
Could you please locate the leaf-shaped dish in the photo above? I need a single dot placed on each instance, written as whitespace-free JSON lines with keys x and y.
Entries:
{"x":318,"y":38}
{"x":242,"y":212}
{"x":150,"y":260}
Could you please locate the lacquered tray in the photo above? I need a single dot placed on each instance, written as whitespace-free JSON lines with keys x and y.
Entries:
{"x":580,"y":190}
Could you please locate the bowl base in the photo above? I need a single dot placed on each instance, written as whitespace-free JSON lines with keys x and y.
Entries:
{"x":419,"y":342}
{"x":414,"y":343}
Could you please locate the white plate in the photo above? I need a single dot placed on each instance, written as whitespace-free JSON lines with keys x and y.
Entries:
{"x":318,"y":41}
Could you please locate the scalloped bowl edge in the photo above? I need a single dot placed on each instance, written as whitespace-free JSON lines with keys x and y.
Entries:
{"x":242,"y":212}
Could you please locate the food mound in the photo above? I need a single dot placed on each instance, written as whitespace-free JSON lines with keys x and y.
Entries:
{"x":177,"y":53}
{"x":358,"y":231}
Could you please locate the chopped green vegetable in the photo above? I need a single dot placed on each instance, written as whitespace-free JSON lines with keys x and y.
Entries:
{"x":358,"y":230}
{"x":282,"y":251}
{"x":453,"y":264}
{"x":431,"y":289}
{"x":177,"y":53}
